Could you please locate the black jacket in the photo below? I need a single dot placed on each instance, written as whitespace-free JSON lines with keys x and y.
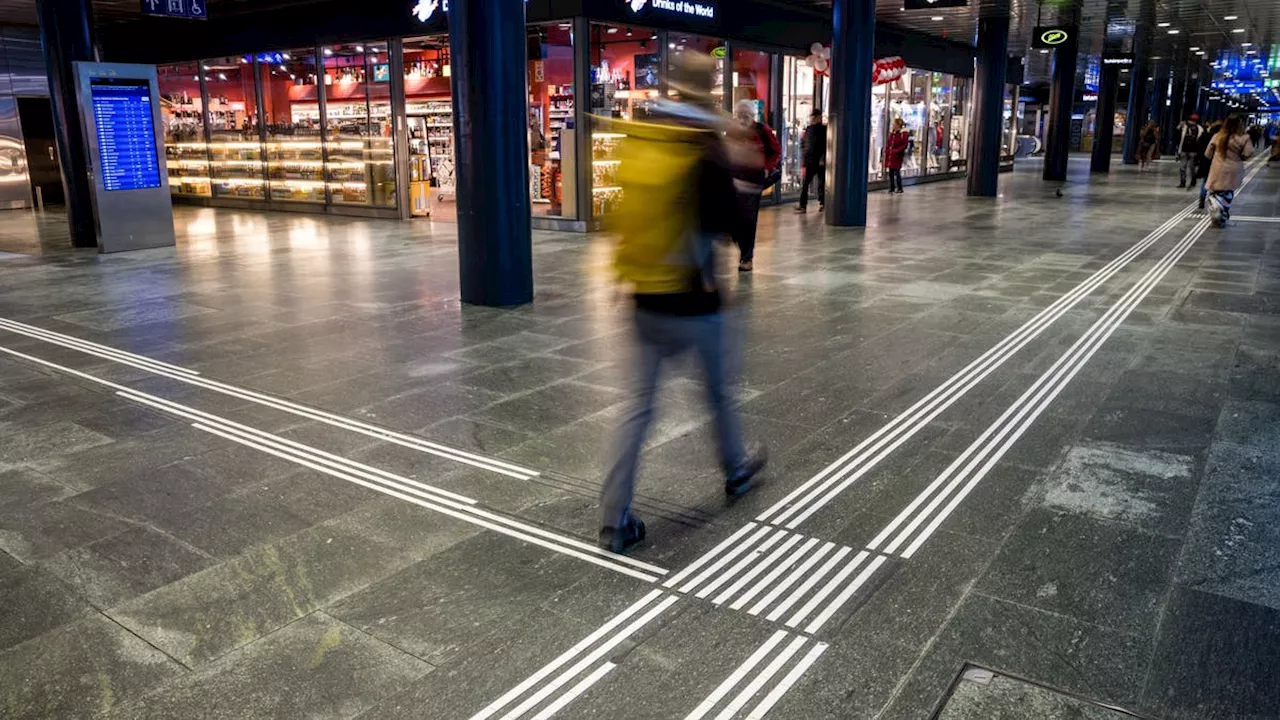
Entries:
{"x":813,"y":146}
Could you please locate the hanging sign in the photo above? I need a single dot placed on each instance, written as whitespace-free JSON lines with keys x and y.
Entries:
{"x":1048,"y":37}
{"x":699,"y":9}
{"x":424,"y":10}
{"x":186,"y":9}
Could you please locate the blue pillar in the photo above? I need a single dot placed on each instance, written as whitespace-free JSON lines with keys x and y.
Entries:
{"x":495,"y":249}
{"x":1106,"y":115}
{"x":992,"y":43}
{"x":849,"y":135}
{"x":1135,"y":117}
{"x":65,"y":35}
{"x":1061,"y":98}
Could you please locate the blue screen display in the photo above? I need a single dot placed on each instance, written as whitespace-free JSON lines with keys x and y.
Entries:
{"x":126,"y":133}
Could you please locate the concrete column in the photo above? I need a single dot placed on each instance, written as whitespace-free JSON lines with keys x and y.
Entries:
{"x":1061,"y":97}
{"x":495,"y":252}
{"x":849,"y":117}
{"x":992,"y":43}
{"x":65,"y":35}
{"x":1101,"y":160}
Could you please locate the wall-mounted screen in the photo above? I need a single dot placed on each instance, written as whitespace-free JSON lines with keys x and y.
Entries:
{"x":126,"y":133}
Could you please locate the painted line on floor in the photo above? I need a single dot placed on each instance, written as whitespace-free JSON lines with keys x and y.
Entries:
{"x":541,"y":686}
{"x":777,"y":655}
{"x":412,"y":442}
{"x":1255,"y":218}
{"x":806,"y":499}
{"x":412,"y":491}
{"x":964,"y":474}
{"x":981,"y":456}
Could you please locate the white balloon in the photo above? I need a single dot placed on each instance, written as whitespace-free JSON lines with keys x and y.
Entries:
{"x":815,"y":48}
{"x":826,"y":53}
{"x":820,"y":64}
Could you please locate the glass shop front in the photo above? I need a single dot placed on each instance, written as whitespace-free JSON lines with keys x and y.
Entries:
{"x":329,"y":129}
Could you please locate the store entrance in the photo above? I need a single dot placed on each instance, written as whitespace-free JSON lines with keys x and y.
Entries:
{"x":429,"y":116}
{"x":43,"y":169}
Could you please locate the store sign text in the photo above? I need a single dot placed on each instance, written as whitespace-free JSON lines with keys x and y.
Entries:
{"x":424,"y":10}
{"x":1052,"y":36}
{"x":690,"y":8}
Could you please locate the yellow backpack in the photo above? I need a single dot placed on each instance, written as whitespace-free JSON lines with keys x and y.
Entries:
{"x":658,"y":217}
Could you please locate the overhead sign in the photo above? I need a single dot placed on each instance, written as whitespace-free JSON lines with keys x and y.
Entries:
{"x":1048,"y":37}
{"x":700,"y":9}
{"x":186,"y":9}
{"x":932,"y":4}
{"x":1118,"y":60}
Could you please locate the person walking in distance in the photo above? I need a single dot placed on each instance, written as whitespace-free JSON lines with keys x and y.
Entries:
{"x":678,"y":199}
{"x":1228,"y":150}
{"x":1147,"y":144}
{"x":813,"y":154}
{"x":895,"y":151}
{"x":755,"y":152}
{"x":1188,"y":140}
{"x":1203,"y":163}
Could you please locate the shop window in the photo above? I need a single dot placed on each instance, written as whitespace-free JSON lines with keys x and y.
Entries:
{"x":797,"y":107}
{"x":291,"y":111}
{"x":429,"y":114}
{"x":553,"y":154}
{"x":680,"y":42}
{"x":916,"y":113}
{"x":958,"y":148}
{"x":879,"y":130}
{"x":625,"y":76}
{"x":182,"y":112}
{"x":751,"y":77}
{"x":235,"y":144}
{"x":936,"y":160}
{"x":359,"y":160}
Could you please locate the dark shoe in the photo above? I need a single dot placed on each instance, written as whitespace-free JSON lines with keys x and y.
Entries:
{"x":822,"y":208}
{"x":739,"y":482}
{"x":620,"y":540}
{"x":746,"y":266}
{"x":801,"y":209}
{"x":900,"y":191}
{"x":1181,"y":185}
{"x":1201,"y":203}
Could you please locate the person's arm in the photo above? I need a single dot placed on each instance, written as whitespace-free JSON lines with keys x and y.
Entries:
{"x":1246,"y":151}
{"x":1208,"y":152}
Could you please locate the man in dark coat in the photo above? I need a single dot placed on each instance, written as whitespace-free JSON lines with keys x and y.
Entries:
{"x":813,"y":154}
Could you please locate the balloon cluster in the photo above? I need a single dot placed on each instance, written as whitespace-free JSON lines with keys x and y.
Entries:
{"x":886,"y":70}
{"x":819,"y":58}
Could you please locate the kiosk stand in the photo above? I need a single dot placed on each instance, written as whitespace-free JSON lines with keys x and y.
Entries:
{"x":120,"y":109}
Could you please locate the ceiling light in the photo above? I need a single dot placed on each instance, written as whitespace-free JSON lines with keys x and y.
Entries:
{"x":612,"y":31}
{"x":1230,"y":17}
{"x":1174,"y":31}
{"x":1238,"y":30}
{"x":1044,"y":52}
{"x":1201,"y":53}
{"x":327,"y":51}
{"x":1194,"y":48}
{"x":1246,"y":44}
{"x":284,"y":55}
{"x":1163,"y":24}
{"x":936,"y":18}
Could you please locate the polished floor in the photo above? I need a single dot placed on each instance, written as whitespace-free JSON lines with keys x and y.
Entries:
{"x":1025,"y":464}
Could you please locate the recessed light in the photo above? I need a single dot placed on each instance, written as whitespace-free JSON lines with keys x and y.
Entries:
{"x":1163,"y":24}
{"x":1174,"y":31}
{"x":327,"y":51}
{"x":936,"y":18}
{"x":1044,"y":52}
{"x":612,"y":31}
{"x":1201,"y":53}
{"x":1230,"y":17}
{"x":1194,"y":48}
{"x":1246,"y":44}
{"x":359,"y":48}
{"x":1238,"y":30}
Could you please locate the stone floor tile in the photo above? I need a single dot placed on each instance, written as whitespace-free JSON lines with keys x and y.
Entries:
{"x":126,"y":565}
{"x":33,"y":601}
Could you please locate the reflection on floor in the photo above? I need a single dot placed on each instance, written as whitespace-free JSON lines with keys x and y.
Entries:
{"x":281,"y":471}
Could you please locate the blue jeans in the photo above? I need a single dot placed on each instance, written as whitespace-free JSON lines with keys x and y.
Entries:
{"x":664,"y":337}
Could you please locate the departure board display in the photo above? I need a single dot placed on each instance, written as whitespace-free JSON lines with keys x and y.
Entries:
{"x":126,"y":133}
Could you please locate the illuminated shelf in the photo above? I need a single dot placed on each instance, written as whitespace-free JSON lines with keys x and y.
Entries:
{"x":607,"y":188}
{"x":606,"y":162}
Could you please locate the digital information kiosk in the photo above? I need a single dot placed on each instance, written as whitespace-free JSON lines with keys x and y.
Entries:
{"x":120,"y":107}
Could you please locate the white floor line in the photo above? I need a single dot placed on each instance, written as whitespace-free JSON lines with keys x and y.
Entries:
{"x":561,"y":702}
{"x":765,"y":582}
{"x":827,"y":589}
{"x":1067,"y":365}
{"x":726,"y":558}
{"x":1255,"y":218}
{"x":350,"y":424}
{"x":753,"y":688}
{"x":925,"y":410}
{"x":546,"y":670}
{"x":834,"y":606}
{"x":788,"y":680}
{"x":709,"y":555}
{"x":756,"y":569}
{"x":751,"y":556}
{"x":789,"y":580}
{"x":593,"y":657}
{"x":808,"y":584}
{"x":736,"y":676}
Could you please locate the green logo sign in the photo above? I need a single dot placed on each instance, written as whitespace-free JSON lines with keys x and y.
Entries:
{"x":1054,"y":37}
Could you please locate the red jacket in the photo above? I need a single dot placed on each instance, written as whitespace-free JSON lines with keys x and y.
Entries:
{"x":896,"y":149}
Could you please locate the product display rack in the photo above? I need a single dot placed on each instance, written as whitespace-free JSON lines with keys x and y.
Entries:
{"x":295,"y":167}
{"x":605,"y":192}
{"x":430,"y":151}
